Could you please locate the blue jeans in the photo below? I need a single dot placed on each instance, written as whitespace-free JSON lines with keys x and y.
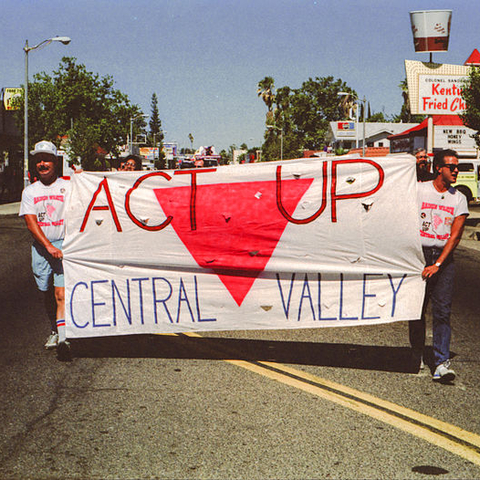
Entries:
{"x":440,"y":292}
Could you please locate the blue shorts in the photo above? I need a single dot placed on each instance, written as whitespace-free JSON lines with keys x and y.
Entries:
{"x":44,"y":266}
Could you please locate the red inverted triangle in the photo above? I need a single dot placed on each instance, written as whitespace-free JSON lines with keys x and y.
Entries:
{"x":238,"y":226}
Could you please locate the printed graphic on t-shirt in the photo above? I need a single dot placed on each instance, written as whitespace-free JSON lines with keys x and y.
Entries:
{"x":436,"y":221}
{"x":47,"y":215}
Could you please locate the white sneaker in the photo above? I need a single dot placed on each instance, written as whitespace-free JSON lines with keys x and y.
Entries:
{"x":443,"y":373}
{"x":52,"y":341}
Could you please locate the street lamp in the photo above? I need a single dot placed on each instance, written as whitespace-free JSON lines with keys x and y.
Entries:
{"x":281,"y":138}
{"x":26,"y":48}
{"x":364,"y":100}
{"x":144,"y":115}
{"x":356,"y":100}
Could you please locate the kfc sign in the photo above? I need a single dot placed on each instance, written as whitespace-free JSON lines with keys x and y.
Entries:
{"x":441,"y":94}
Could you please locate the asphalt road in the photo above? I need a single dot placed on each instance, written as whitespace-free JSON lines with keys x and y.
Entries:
{"x":251,"y":405}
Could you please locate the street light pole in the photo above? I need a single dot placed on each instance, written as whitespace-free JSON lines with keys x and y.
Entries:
{"x":27,"y":49}
{"x":364,"y":108}
{"x":356,"y":100}
{"x":281,"y":143}
{"x":25,"y":121}
{"x":364,"y":100}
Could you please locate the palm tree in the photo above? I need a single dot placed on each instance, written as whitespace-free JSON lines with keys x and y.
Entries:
{"x":265,"y":91}
{"x":190,"y":137}
{"x":231,"y":150}
{"x":406,"y":101}
{"x":348,"y":105}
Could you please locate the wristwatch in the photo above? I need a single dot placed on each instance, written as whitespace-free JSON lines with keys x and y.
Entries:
{"x":438,"y":264}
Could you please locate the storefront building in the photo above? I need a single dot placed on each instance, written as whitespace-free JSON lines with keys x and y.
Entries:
{"x":448,"y":132}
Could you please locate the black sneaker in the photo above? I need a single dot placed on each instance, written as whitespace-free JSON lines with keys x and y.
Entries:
{"x":63,"y":352}
{"x":416,"y":362}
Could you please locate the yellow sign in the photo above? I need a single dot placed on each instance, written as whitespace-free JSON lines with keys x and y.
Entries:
{"x":8,"y":95}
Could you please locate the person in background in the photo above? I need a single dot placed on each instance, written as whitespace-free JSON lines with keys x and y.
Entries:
{"x":42,"y":207}
{"x":132,"y":163}
{"x":443,"y":211}
{"x":423,"y":165}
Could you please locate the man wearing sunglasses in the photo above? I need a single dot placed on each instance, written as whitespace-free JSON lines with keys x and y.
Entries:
{"x":42,"y":207}
{"x":443,"y":211}
{"x":423,"y":165}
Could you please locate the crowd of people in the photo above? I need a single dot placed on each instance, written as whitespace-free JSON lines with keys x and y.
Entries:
{"x":442,"y":214}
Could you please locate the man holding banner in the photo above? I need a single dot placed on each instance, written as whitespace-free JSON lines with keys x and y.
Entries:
{"x":42,"y":206}
{"x":443,"y":211}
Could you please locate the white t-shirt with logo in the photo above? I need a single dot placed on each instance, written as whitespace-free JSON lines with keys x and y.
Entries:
{"x":47,"y":202}
{"x":437,"y":211}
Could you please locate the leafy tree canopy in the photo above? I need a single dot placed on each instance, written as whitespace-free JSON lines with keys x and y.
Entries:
{"x":298,"y":119}
{"x":156,"y":136}
{"x":155,"y":123}
{"x":82,"y":107}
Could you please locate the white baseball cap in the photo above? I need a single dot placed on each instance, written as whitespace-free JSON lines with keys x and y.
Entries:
{"x":44,"y":147}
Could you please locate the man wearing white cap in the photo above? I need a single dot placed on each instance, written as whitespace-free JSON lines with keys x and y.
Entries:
{"x":42,"y":206}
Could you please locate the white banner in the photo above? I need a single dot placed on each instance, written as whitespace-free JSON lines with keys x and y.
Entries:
{"x":296,"y":244}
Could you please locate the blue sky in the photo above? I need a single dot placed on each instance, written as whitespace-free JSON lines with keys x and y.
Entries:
{"x":204,"y":58}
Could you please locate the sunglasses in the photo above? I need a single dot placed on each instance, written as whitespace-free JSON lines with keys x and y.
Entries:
{"x":45,"y":160}
{"x":450,"y":166}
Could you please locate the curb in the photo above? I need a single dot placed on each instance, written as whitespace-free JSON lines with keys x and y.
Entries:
{"x":10,"y":208}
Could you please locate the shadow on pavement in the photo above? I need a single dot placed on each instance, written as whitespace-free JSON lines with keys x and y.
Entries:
{"x":364,"y":357}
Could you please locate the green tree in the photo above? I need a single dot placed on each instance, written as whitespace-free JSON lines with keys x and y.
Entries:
{"x":190,"y":137}
{"x":156,"y":133}
{"x":231,"y":149}
{"x":225,"y":157}
{"x":278,"y":123}
{"x":313,"y":106}
{"x":81,"y":107}
{"x":156,"y":136}
{"x":301,"y":116}
{"x":265,"y":91}
{"x":377,"y":117}
{"x":405,"y":114}
{"x":471,"y":95}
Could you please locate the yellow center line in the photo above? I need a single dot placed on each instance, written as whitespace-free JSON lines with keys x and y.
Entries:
{"x":449,"y":437}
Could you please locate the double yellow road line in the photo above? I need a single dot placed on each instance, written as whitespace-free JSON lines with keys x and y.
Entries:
{"x":449,"y":437}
